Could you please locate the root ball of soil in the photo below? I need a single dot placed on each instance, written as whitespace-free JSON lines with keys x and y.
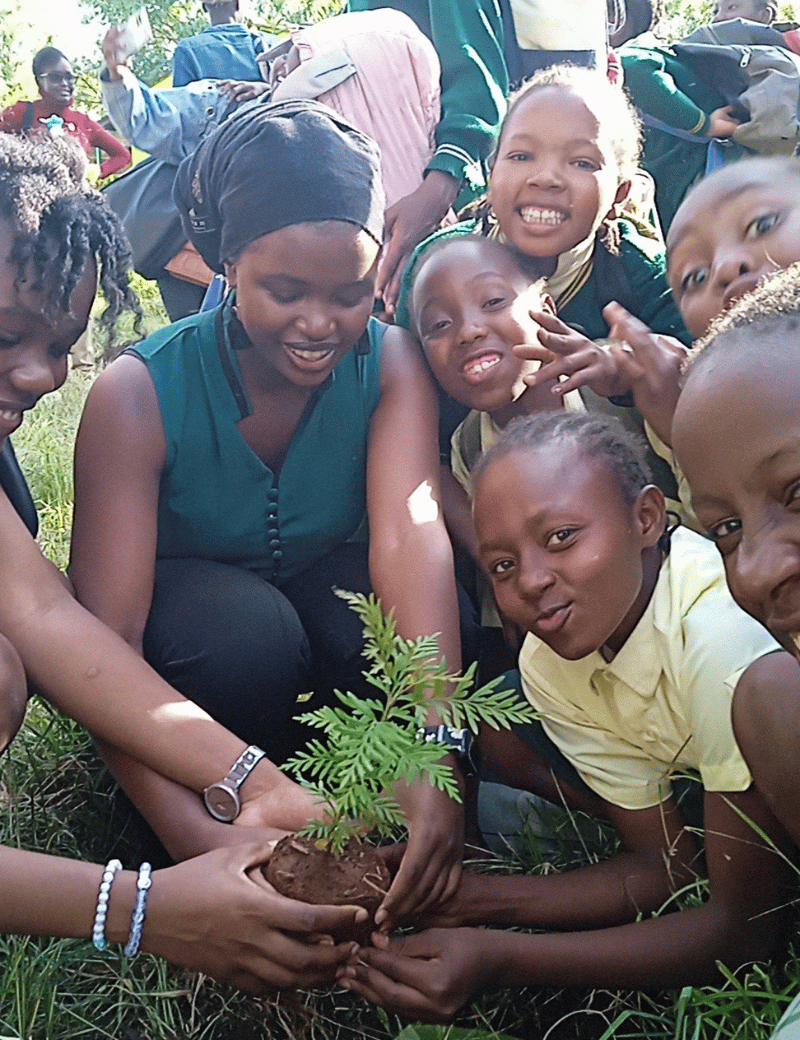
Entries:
{"x":299,"y":870}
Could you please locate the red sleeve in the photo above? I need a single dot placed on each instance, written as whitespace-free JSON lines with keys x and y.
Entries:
{"x":118,"y":155}
{"x":12,"y":118}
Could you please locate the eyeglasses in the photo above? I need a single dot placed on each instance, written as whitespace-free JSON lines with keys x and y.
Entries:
{"x":59,"y":77}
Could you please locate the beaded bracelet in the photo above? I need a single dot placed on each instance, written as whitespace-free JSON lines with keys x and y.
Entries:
{"x":99,"y":928}
{"x":143,"y":883}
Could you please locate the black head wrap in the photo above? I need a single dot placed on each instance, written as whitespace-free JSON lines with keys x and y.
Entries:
{"x":274,"y":165}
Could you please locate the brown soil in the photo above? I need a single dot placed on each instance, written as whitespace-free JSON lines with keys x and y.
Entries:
{"x":300,"y":870}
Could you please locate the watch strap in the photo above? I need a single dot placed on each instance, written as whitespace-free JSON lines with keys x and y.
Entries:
{"x":460,"y":741}
{"x":243,"y":766}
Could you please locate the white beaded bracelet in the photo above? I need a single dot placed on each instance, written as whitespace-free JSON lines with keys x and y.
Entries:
{"x":99,"y":928}
{"x":143,"y":883}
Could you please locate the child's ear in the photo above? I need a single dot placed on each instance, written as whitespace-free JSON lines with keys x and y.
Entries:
{"x":623,"y":191}
{"x":230,"y":273}
{"x":650,"y":512}
{"x":547,"y":305}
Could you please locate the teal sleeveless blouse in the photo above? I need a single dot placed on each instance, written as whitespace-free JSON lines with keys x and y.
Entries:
{"x":217,"y":499}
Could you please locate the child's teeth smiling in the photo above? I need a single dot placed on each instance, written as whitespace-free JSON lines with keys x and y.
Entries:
{"x":477,"y":366}
{"x":536,"y":215}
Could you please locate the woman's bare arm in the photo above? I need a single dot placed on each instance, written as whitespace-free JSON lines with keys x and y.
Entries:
{"x":411,"y":568}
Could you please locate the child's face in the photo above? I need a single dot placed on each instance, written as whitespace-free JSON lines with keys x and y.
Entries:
{"x":555,"y":177}
{"x":732,"y":231}
{"x":471,"y":306}
{"x":562,"y":548}
{"x":736,"y":435}
{"x":750,"y":10}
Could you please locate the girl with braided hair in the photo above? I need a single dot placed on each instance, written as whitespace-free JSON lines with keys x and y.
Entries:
{"x":215,"y":914}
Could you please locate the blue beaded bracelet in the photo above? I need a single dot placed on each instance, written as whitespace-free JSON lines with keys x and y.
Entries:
{"x":99,"y":928}
{"x":143,"y":883}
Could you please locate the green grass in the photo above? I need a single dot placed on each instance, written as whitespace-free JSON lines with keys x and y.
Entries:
{"x":55,"y":797}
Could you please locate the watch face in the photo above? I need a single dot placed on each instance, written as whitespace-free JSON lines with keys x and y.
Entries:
{"x":222,"y":802}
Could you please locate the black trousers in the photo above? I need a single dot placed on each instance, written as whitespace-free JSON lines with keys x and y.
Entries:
{"x":245,"y":650}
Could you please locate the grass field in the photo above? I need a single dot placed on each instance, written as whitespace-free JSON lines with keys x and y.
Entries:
{"x":56,"y":798}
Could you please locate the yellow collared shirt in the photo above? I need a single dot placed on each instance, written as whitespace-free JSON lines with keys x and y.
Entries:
{"x":663,"y":704}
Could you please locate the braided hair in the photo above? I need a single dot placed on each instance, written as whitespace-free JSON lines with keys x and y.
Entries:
{"x":60,"y":224}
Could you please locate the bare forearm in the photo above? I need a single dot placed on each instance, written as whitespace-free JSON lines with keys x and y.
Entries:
{"x":176,"y":814}
{"x":605,"y":894}
{"x":674,"y":950}
{"x":46,"y":895}
{"x":93,"y":676}
{"x":413,"y":573}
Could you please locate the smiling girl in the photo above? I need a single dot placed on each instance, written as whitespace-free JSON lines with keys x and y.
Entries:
{"x":736,"y":433}
{"x":53,"y":112}
{"x":561,"y":171}
{"x":224,"y":464}
{"x":636,"y":659}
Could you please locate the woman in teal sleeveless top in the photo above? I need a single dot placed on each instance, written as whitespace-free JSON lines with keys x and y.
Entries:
{"x":225,"y":465}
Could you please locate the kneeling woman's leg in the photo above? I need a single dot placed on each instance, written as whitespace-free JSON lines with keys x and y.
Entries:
{"x":13,"y":693}
{"x":233,"y":644}
{"x":334,"y":630}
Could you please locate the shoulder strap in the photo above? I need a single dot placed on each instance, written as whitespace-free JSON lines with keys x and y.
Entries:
{"x":27,"y":121}
{"x":469,"y":439}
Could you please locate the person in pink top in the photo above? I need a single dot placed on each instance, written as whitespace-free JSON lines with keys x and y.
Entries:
{"x":51,"y":113}
{"x":380,"y":72}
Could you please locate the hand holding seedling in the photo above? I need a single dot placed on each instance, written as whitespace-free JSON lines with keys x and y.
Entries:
{"x":427,"y":976}
{"x":374,"y":750}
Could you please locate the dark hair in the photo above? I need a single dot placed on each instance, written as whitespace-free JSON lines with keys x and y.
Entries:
{"x":46,"y":57}
{"x":773,"y":307}
{"x":630,"y":18}
{"x":599,"y":437}
{"x":434,"y":246}
{"x":607,"y":103}
{"x":59,"y":225}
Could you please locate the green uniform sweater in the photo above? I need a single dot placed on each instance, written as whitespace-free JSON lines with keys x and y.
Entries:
{"x":662,"y":87}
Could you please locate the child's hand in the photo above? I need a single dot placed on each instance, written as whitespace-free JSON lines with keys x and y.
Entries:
{"x":467,"y":906}
{"x":430,"y":869}
{"x":238,"y":91}
{"x":722,"y":122}
{"x":427,"y":976}
{"x":650,"y":364}
{"x":567,"y":353}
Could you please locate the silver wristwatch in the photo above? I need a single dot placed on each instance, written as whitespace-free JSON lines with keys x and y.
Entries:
{"x":222,"y":799}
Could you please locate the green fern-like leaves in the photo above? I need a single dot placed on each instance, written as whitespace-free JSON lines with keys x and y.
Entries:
{"x":371,"y":743}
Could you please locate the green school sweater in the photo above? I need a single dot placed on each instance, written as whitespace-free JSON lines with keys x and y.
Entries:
{"x":662,"y":87}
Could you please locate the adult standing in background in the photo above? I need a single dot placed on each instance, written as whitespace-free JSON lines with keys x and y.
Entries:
{"x":226,"y":49}
{"x":468,"y":37}
{"x":52,"y":113}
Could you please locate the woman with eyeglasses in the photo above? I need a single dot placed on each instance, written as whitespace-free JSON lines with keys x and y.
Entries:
{"x":51,"y":113}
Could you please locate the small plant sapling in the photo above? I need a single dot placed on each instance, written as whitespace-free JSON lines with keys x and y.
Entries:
{"x":369,"y":745}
